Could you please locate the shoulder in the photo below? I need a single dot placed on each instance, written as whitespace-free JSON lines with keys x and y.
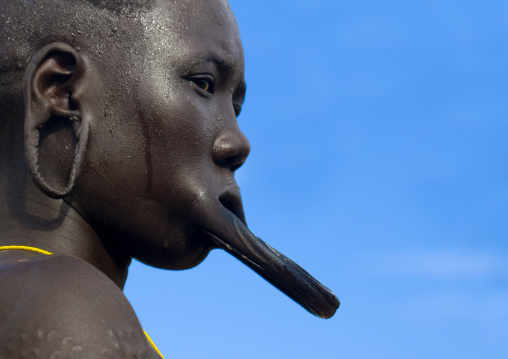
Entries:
{"x":62,"y":306}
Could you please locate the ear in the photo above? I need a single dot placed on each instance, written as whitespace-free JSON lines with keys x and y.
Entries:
{"x":56,"y":86}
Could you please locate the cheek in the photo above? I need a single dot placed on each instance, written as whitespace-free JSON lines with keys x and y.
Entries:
{"x":178,"y":157}
{"x":179,"y":139}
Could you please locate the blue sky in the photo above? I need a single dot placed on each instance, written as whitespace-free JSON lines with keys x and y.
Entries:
{"x":379,"y":163}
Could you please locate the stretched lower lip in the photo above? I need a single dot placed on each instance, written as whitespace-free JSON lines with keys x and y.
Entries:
{"x":232,"y":201}
{"x":230,"y":233}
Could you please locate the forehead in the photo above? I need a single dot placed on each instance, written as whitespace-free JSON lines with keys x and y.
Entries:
{"x":193,"y":29}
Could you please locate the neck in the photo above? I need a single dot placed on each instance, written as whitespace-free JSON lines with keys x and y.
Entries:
{"x":29,"y":218}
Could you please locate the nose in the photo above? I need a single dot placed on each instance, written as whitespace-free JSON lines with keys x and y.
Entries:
{"x":230,"y":149}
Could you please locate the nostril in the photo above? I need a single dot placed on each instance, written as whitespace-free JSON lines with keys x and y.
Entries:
{"x":228,"y":156}
{"x":230,"y":150}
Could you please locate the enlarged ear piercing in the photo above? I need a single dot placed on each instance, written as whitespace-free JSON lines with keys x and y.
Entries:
{"x":32,"y":157}
{"x":55,"y":71}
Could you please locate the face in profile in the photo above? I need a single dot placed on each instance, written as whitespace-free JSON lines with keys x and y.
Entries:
{"x":171,"y":141}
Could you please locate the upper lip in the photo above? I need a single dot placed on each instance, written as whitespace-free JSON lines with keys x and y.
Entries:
{"x":232,"y":200}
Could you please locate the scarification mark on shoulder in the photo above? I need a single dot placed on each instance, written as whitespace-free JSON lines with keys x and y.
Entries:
{"x":51,"y":336}
{"x":52,"y":343}
{"x":126,"y":344}
{"x":37,"y":343}
{"x":68,"y":341}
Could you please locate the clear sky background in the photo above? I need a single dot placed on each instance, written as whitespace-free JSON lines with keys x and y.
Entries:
{"x":379,"y":134}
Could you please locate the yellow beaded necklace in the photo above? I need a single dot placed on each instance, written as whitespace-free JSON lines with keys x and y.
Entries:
{"x":41,"y":251}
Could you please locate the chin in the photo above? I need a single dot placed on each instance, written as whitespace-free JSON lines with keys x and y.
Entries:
{"x":178,"y":258}
{"x":183,"y":262}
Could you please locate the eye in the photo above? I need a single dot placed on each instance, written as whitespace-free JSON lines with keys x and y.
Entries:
{"x":204,"y":82}
{"x":238,"y":109}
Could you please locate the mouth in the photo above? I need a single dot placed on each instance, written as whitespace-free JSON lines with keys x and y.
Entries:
{"x":225,"y":224}
{"x":232,"y":201}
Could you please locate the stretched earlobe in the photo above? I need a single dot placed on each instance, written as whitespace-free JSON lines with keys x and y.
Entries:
{"x":56,"y":122}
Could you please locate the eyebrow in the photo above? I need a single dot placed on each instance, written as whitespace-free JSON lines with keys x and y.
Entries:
{"x":226,"y":68}
{"x":222,"y":65}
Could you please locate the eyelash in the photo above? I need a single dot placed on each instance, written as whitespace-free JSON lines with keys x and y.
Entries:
{"x":237,"y":109}
{"x":204,"y":82}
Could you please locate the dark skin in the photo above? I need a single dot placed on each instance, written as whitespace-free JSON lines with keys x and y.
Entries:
{"x":116,"y":174}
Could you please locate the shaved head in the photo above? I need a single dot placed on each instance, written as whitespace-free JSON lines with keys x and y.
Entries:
{"x":94,"y":27}
{"x":28,"y":25}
